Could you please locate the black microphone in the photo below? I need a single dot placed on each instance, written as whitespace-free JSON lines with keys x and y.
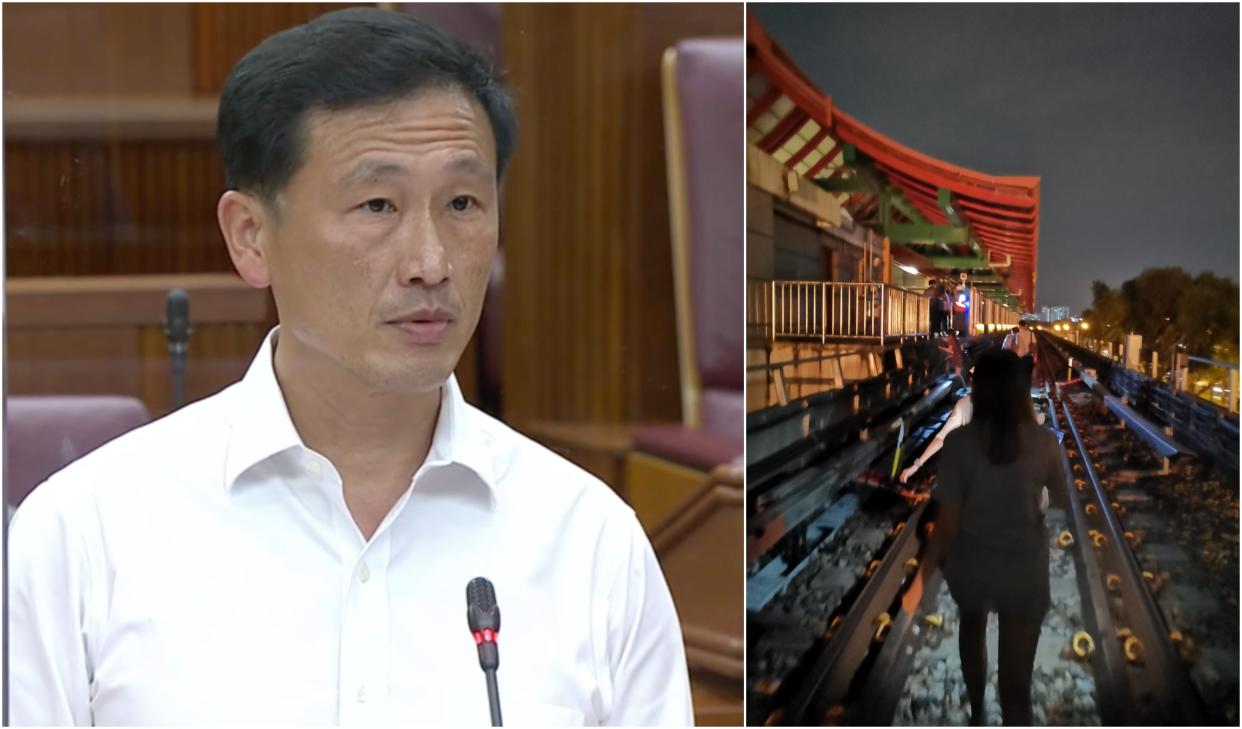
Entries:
{"x":483,"y":616}
{"x":177,"y":330}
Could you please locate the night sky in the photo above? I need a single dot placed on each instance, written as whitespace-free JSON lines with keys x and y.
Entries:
{"x":1128,"y":113}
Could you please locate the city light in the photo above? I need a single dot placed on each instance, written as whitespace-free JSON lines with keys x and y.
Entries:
{"x":981,"y":327}
{"x":1084,"y":326}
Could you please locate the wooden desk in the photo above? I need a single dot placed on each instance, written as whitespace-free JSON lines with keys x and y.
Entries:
{"x":105,"y":335}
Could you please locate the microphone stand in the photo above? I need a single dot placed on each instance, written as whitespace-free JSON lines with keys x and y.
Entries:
{"x":493,"y":696}
{"x":177,"y":330}
{"x":177,"y":353}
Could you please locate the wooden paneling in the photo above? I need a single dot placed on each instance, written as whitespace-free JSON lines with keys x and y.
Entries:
{"x":656,"y":488}
{"x":109,"y":119}
{"x":589,"y":319}
{"x":97,"y":49}
{"x":112,"y":207}
{"x":224,"y":32}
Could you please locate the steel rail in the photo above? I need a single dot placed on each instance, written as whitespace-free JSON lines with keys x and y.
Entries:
{"x":850,"y":644}
{"x":1167,"y":695}
{"x":1107,"y":661}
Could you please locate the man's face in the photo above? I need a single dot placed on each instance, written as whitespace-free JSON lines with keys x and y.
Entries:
{"x":387,"y":232}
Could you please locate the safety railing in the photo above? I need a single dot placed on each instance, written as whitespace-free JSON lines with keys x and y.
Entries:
{"x":827,"y":310}
{"x":907,"y":314}
{"x":837,"y":310}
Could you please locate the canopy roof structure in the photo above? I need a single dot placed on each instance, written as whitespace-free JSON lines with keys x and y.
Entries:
{"x":959,"y":219}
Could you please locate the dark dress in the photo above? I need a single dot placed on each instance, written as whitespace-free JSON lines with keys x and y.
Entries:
{"x":999,"y":559}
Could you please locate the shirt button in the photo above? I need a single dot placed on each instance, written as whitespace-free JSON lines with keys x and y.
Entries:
{"x":362,"y":694}
{"x":365,"y":573}
{"x":313,"y":467}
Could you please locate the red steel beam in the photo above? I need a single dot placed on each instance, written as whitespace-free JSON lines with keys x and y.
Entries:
{"x":783,"y":130}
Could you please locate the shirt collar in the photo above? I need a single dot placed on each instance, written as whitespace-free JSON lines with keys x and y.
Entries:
{"x":262,"y":428}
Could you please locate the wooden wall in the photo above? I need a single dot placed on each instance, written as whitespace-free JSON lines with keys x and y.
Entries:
{"x":590,"y":331}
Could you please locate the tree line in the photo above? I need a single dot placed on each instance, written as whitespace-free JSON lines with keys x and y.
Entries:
{"x":1170,"y":309}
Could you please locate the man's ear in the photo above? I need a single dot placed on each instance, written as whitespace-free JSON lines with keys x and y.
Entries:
{"x":245,"y":222}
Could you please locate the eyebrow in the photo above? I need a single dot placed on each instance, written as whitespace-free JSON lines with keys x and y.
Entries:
{"x":367,"y":170}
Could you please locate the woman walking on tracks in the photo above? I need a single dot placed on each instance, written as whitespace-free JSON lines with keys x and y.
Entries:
{"x":990,"y":532}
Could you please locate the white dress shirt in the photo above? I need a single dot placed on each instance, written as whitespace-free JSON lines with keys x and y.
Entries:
{"x":204,"y":569}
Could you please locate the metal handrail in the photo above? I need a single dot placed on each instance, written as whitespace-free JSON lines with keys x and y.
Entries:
{"x":850,"y":310}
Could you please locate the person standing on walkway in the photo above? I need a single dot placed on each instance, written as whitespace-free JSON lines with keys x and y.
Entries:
{"x":953,"y":348}
{"x":947,"y":294}
{"x":1024,"y":347}
{"x":1010,"y":340}
{"x":991,"y":535}
{"x":935,"y":302}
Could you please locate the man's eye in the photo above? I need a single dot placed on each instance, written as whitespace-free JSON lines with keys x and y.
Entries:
{"x":462,"y":203}
{"x":379,"y":205}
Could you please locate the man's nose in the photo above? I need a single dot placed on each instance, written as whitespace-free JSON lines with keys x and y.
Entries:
{"x":424,"y":259}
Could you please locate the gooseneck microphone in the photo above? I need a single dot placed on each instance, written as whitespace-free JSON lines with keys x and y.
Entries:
{"x":177,"y":330}
{"x":483,"y":615}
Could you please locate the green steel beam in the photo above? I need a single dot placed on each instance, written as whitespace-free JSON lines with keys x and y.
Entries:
{"x":944,"y":201}
{"x":923,"y":233}
{"x":908,"y":210}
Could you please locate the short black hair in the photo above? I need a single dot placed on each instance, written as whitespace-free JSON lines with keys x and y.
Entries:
{"x":347,"y":59}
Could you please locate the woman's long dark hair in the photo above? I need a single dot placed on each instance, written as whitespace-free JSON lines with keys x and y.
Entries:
{"x":1002,"y":403}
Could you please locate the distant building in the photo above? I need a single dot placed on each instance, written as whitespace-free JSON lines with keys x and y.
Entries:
{"x":1050,"y":314}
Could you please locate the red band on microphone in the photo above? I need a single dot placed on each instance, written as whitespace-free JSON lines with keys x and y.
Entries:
{"x":487,"y":635}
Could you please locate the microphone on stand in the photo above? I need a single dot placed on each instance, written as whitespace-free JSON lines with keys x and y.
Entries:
{"x":177,"y":330}
{"x":483,"y":616}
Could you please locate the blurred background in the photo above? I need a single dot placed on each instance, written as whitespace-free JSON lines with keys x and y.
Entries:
{"x":613,"y":327}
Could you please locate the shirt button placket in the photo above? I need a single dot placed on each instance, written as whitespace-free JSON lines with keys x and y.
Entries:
{"x":368,"y":680}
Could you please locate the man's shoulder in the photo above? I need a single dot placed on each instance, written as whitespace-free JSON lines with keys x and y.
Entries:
{"x":527,"y":469}
{"x":183,"y":438}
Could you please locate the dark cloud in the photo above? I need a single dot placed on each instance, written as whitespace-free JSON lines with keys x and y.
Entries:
{"x":1129,"y":113}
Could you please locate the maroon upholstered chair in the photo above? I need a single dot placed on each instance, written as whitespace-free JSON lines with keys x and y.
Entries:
{"x":43,"y":434}
{"x":703,"y":129}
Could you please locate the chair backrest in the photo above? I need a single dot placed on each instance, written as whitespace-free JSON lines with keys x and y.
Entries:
{"x":43,"y":434}
{"x":704,"y":123}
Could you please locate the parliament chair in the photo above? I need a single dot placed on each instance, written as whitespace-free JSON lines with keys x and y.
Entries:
{"x":45,"y":433}
{"x":703,"y":125}
{"x":684,"y":480}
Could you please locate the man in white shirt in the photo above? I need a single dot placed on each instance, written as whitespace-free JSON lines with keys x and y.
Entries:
{"x":1024,"y":340}
{"x":295,"y":548}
